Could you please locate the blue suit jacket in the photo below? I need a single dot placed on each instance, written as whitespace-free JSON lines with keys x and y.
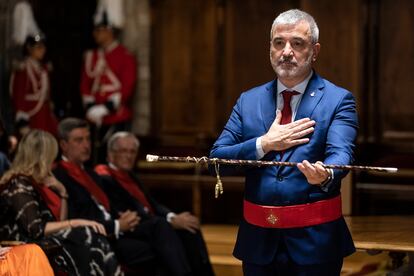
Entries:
{"x":332,"y":142}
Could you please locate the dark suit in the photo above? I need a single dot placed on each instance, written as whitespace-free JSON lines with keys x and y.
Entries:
{"x":121,"y":201}
{"x":153,"y":239}
{"x":332,"y":142}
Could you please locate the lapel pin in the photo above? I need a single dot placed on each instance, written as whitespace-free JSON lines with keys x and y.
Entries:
{"x":312,"y":94}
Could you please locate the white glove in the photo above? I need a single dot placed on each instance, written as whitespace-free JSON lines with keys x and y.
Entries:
{"x":116,"y":99}
{"x":96,"y":113}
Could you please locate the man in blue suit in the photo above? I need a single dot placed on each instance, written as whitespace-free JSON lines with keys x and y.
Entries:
{"x":292,"y":222}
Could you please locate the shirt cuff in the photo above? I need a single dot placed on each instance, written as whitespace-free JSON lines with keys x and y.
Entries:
{"x":259,"y":150}
{"x":116,"y":228}
{"x":170,"y":216}
{"x":325,"y":186}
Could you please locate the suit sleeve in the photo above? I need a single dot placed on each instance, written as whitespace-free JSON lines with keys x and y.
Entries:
{"x":232,"y":144}
{"x":341,"y":138}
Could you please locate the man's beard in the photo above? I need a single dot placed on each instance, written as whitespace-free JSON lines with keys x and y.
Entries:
{"x":294,"y":71}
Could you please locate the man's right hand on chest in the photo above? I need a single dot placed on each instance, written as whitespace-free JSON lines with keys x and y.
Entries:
{"x":282,"y":137}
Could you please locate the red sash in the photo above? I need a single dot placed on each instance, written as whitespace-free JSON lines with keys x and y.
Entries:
{"x":52,"y":200}
{"x":84,"y":179}
{"x":301,"y":215}
{"x":126,"y":182}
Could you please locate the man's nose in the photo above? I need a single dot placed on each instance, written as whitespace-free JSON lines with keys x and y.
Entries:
{"x":287,"y":50}
{"x":86,"y":144}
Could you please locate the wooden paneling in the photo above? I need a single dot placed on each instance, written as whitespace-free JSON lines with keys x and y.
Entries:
{"x":184,"y":68}
{"x":341,"y":26}
{"x":396,"y":63}
{"x":246,"y":48}
{"x":205,"y":54}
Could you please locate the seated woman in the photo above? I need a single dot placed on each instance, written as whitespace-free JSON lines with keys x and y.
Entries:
{"x":33,"y":208}
{"x":26,"y":259}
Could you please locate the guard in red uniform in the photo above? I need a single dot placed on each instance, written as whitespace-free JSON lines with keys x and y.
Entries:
{"x":108,"y":79}
{"x":30,"y":89}
{"x":108,"y":74}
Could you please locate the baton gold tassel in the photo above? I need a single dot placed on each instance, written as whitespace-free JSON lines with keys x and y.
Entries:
{"x":218,"y":190}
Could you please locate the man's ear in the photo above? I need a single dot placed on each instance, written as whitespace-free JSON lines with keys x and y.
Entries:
{"x":316,"y":50}
{"x":63,"y":145}
{"x":109,"y":157}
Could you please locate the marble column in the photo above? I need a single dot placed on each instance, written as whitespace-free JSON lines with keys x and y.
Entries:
{"x":136,"y":37}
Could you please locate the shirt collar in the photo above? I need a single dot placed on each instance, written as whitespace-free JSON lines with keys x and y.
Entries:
{"x":112,"y":166}
{"x":300,"y":87}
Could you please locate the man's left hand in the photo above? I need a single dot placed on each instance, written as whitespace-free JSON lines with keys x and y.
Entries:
{"x":315,"y":174}
{"x":186,"y":221}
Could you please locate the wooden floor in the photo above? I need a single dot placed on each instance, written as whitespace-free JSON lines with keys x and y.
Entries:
{"x":220,"y":241}
{"x":388,"y":233}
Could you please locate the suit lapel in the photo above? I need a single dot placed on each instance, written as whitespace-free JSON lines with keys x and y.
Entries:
{"x":268,"y":105}
{"x":313,"y":94}
{"x":310,"y":99}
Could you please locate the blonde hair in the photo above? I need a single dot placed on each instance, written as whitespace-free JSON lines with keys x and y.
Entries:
{"x":35,"y":154}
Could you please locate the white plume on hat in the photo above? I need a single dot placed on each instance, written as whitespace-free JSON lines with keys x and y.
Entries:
{"x":24,"y":24}
{"x":114,"y":11}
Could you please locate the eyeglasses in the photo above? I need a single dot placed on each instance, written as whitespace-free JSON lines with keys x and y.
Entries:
{"x":126,"y":151}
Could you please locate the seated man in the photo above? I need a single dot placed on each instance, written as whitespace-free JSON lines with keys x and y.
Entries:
{"x":134,"y":241}
{"x":125,"y":192}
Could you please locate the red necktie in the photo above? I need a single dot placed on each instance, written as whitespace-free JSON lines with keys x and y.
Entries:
{"x":287,"y":110}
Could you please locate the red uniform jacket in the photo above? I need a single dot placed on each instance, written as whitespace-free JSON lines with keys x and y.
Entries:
{"x":30,"y":92}
{"x":109,"y":75}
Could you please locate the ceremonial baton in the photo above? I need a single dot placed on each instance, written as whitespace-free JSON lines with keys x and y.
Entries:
{"x":255,"y":163}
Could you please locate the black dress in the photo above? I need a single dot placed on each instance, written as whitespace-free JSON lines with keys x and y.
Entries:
{"x":78,"y":251}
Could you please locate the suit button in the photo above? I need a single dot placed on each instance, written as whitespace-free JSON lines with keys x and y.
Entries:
{"x":280,"y":178}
